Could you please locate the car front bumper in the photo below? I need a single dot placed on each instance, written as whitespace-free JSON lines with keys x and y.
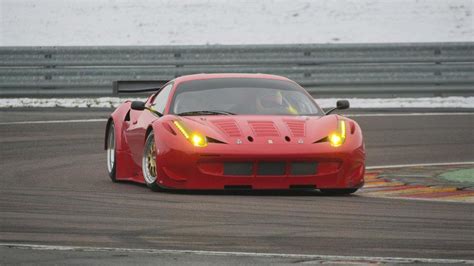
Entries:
{"x":262,"y":169}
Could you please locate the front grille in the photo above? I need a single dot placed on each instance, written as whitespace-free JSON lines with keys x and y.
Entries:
{"x":238,"y":168}
{"x":271,"y":168}
{"x":303,"y":168}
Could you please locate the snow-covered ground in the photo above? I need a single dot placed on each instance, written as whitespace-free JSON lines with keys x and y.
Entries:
{"x":106,"y":102}
{"x":171,"y":22}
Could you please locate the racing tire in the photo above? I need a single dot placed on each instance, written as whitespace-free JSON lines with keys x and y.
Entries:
{"x":111,"y":152}
{"x":149,"y":164}
{"x":345,"y":191}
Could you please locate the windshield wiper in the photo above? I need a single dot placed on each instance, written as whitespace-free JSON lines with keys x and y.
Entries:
{"x":204,"y":112}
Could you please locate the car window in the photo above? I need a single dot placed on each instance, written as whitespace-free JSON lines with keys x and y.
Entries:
{"x":159,"y":102}
{"x":243,"y":96}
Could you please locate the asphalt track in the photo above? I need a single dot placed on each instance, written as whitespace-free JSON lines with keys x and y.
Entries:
{"x":54,"y":190}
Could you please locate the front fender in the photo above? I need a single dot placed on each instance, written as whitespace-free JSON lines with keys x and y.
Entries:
{"x":118,"y":117}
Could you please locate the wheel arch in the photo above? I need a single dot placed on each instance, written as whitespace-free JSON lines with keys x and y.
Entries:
{"x":148,"y":130}
{"x":106,"y":137}
{"x":117,"y":117}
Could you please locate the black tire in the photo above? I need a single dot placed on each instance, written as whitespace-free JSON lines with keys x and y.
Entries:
{"x":111,"y":151}
{"x":149,"y":157}
{"x":346,"y":191}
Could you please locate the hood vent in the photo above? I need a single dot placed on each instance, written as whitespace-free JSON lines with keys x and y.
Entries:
{"x":297,"y":128}
{"x":228,"y":126}
{"x":264,"y":128}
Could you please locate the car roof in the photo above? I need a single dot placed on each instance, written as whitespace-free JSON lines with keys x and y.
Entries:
{"x":227,"y":75}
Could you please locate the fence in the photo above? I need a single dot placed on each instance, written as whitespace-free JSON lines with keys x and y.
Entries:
{"x":368,"y":70}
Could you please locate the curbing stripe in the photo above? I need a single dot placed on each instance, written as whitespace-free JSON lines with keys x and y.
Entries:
{"x":420,"y":191}
{"x":427,"y":191}
{"x":394,"y":190}
{"x":383,"y":184}
{"x":468,"y":194}
{"x":377,"y":185}
{"x":449,"y":194}
{"x":381,"y":167}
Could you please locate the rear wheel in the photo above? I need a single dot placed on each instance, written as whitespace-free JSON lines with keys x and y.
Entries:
{"x":111,"y":153}
{"x":346,"y":191}
{"x":149,"y":165}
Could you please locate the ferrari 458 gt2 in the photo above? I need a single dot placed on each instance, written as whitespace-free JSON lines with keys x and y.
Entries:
{"x":234,"y":131}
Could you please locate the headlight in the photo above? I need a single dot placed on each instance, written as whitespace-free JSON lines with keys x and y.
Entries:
{"x":336,"y":139}
{"x":198,"y":140}
{"x":195,"y":138}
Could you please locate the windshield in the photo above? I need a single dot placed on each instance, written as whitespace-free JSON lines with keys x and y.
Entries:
{"x":243,"y":96}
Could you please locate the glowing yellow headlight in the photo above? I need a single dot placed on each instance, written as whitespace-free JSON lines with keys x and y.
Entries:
{"x":337,"y":139}
{"x":195,"y":138}
{"x":198,"y":140}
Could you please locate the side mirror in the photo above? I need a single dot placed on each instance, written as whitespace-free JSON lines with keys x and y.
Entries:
{"x":138,"y":105}
{"x":342,"y":104}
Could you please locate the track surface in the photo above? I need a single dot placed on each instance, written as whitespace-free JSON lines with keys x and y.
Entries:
{"x":54,"y":190}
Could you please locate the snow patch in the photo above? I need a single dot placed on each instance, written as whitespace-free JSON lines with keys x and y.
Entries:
{"x":102,"y":102}
{"x":112,"y":102}
{"x":170,"y":22}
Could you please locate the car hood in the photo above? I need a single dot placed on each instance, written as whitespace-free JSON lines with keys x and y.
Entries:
{"x":251,"y":129}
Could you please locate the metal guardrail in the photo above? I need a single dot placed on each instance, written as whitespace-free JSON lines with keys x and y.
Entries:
{"x":369,"y":70}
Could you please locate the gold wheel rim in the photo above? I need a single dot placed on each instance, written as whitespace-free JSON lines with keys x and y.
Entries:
{"x":151,"y":159}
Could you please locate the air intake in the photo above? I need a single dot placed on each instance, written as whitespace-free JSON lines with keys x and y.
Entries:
{"x":228,"y":127}
{"x":264,"y":128}
{"x":297,"y":128}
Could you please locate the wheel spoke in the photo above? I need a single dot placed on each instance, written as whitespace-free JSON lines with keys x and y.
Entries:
{"x":149,"y":161}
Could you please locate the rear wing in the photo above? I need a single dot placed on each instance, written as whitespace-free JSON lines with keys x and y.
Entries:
{"x":124,"y":87}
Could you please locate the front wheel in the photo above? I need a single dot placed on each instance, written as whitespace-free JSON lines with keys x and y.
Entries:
{"x":111,"y":153}
{"x":346,"y":191}
{"x":149,"y":165}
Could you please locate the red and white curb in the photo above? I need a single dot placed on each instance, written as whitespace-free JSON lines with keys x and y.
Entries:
{"x":376,"y":185}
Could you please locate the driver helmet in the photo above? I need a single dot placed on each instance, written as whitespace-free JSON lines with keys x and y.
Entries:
{"x":271,"y":98}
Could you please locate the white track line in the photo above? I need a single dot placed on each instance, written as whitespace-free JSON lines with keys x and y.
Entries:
{"x":239,"y":254}
{"x":53,"y":121}
{"x":348,"y":115}
{"x":414,"y":165}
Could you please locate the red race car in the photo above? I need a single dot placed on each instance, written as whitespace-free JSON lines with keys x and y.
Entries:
{"x":234,"y":131}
